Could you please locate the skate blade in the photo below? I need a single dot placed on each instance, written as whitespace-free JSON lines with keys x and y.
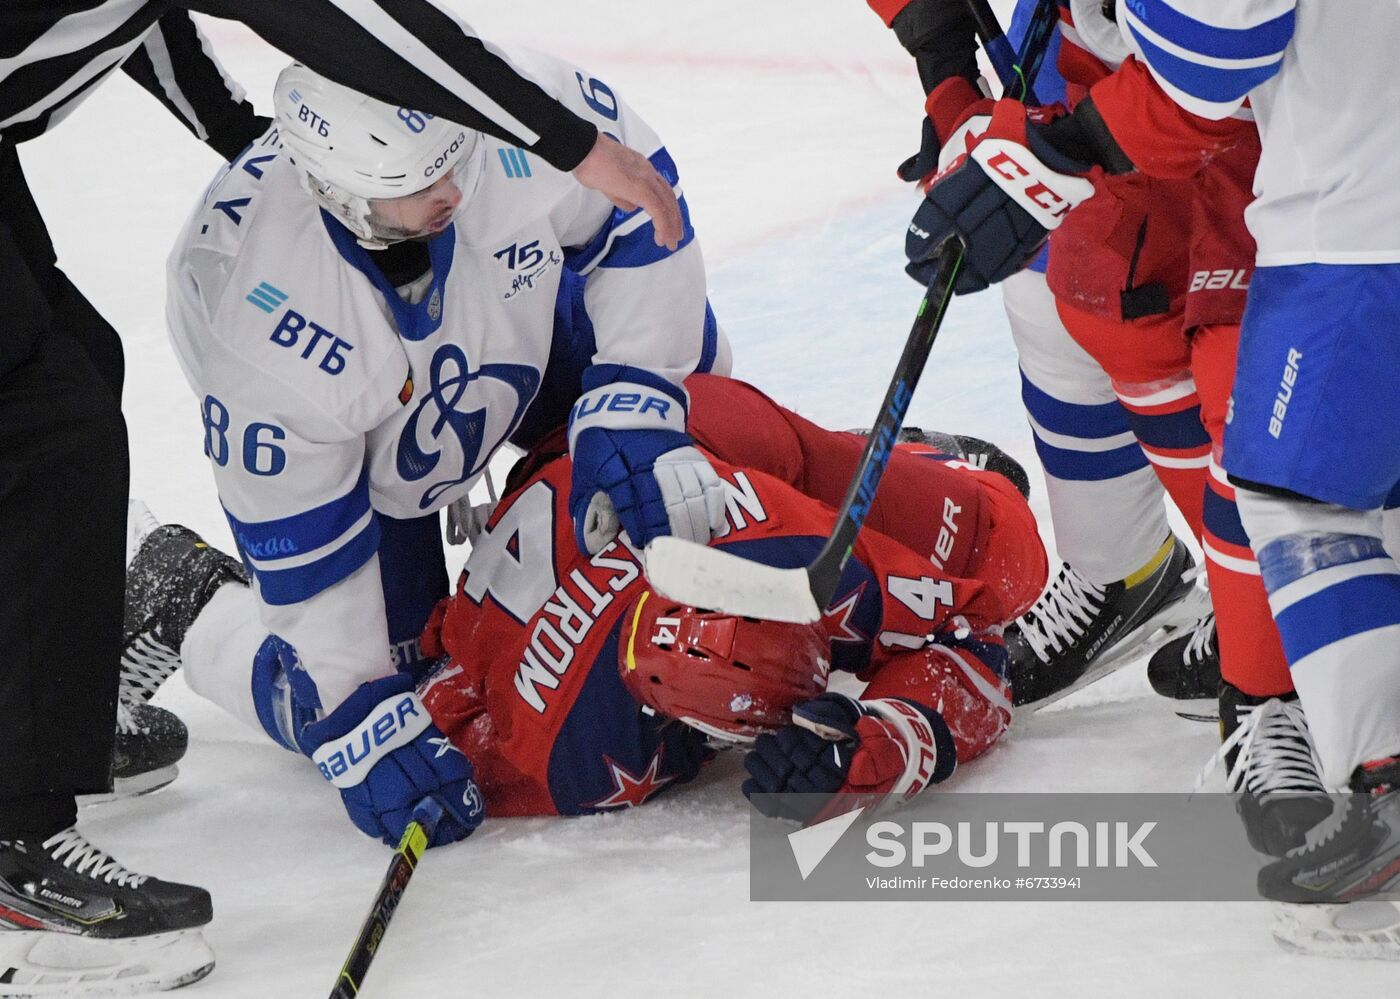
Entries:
{"x":1146,"y":638}
{"x":132,"y":787}
{"x":45,"y":963}
{"x":1198,"y":709}
{"x":1368,"y":930}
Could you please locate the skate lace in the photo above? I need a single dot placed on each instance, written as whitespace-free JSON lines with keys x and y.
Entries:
{"x":1276,"y":751}
{"x":1062,"y":613}
{"x":126,"y":724}
{"x":146,"y":664}
{"x":1328,"y":828}
{"x":76,"y":853}
{"x":1202,"y":643}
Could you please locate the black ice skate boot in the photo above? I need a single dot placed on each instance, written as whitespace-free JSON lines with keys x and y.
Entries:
{"x":1355,"y":853}
{"x":969,"y":450}
{"x":74,"y":922}
{"x":170,"y":578}
{"x":975,"y":452}
{"x":1078,"y":631}
{"x":150,"y":742}
{"x":1271,"y":762}
{"x":1187,"y":670}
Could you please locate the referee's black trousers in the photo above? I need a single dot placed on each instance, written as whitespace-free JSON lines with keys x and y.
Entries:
{"x":63,"y":490}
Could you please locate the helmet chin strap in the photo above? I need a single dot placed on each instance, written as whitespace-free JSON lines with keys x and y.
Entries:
{"x":351,"y":211}
{"x":357,"y":215}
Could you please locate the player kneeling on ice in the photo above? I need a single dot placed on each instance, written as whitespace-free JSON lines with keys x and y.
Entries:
{"x":369,"y":302}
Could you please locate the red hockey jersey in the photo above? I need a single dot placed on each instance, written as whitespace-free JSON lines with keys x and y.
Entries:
{"x":531,"y":692}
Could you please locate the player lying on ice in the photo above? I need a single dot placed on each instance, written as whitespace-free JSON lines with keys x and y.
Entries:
{"x":563,"y":678}
{"x":565,"y":674}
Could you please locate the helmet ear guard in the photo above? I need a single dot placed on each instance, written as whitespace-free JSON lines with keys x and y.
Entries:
{"x":727,"y":676}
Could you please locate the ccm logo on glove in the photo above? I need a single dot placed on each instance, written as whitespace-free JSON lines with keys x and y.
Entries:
{"x":1017,"y":171}
{"x":345,"y":762}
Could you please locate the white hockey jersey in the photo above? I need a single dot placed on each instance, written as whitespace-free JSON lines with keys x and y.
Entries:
{"x":1320,"y":79}
{"x":326,"y":396}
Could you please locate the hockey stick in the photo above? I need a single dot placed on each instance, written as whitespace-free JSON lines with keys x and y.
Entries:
{"x":410,"y":850}
{"x":1017,"y":70}
{"x":998,"y":48}
{"x":715,"y":579}
{"x":712,"y":578}
{"x":1044,"y":20}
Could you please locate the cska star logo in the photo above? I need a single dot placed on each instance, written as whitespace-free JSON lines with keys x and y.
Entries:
{"x":631,"y":790}
{"x":836,"y":619}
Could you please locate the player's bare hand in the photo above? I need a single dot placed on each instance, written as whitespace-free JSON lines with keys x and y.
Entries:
{"x":628,"y":180}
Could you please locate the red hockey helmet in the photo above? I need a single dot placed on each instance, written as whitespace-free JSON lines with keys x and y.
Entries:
{"x":730,"y":677}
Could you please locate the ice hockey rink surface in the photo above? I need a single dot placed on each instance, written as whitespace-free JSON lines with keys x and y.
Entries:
{"x":786,"y":120}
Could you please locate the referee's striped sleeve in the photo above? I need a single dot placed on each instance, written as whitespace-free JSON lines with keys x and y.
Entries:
{"x":414,"y":52}
{"x":1207,"y":54}
{"x":176,"y":64}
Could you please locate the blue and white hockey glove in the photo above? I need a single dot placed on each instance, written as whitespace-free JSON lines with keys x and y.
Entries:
{"x":636,"y":469}
{"x":853,"y":752}
{"x":384,"y":754}
{"x":1003,"y":197}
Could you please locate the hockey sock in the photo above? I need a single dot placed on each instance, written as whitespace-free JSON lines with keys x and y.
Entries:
{"x":1105,"y":502}
{"x":1335,"y":594}
{"x":220,"y":648}
{"x":1166,"y":418}
{"x":1251,"y":652}
{"x":1149,"y":362}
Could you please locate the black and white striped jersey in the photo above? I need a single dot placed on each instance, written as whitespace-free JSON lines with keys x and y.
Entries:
{"x":412,"y":52}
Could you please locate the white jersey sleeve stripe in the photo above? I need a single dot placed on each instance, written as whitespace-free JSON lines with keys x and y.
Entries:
{"x":282,"y":563}
{"x":627,"y":239}
{"x":294,"y":558}
{"x":1209,"y":64}
{"x":1241,"y":29}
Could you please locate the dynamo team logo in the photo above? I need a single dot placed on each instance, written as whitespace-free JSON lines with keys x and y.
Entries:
{"x":471,"y":413}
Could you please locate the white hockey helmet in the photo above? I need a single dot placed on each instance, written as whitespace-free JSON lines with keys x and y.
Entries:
{"x":352,"y":151}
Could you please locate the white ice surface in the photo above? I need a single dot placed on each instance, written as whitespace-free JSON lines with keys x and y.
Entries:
{"x":787,"y":120}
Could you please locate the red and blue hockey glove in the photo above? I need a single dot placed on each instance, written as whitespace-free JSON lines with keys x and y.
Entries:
{"x":383,"y":753}
{"x":1003,"y":197}
{"x":636,"y":469}
{"x":840,"y":752}
{"x":947,"y":107}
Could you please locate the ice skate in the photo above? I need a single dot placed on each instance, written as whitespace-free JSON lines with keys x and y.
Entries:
{"x":76,"y":923}
{"x":1187,"y":671}
{"x":1270,"y":761}
{"x":1078,"y":631}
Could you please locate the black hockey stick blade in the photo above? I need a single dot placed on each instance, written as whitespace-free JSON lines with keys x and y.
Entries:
{"x":410,"y":850}
{"x":716,"y":580}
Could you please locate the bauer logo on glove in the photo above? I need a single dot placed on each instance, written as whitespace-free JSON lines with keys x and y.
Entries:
{"x":636,"y":469}
{"x":396,"y":722}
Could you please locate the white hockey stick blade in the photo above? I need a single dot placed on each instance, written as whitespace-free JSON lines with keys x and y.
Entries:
{"x":715,"y":580}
